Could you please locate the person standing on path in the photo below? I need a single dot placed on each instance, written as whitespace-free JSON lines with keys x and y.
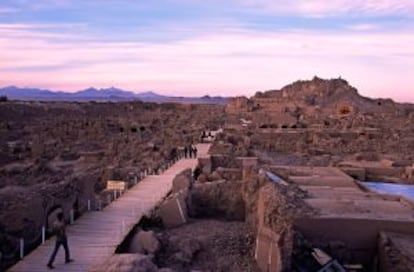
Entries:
{"x":59,"y":229}
{"x":195,"y":151}
{"x":190,"y":150}
{"x":185,"y":152}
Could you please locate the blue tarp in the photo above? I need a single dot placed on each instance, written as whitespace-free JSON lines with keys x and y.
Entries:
{"x":274,"y":177}
{"x":390,"y":188}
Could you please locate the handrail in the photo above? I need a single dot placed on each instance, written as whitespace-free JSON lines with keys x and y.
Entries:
{"x":22,"y":245}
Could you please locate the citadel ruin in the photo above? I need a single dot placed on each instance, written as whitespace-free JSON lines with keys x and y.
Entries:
{"x":283,"y":182}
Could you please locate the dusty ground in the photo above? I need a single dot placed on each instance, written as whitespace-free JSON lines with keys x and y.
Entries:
{"x":399,"y":251}
{"x":217,"y":246}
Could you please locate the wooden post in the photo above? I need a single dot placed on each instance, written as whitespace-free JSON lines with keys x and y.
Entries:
{"x":181,"y":210}
{"x":21,"y":248}
{"x":71,"y":216}
{"x":43,"y":234}
{"x":89,"y":205}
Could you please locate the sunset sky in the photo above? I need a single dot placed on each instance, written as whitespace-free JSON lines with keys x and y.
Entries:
{"x":197,"y":47}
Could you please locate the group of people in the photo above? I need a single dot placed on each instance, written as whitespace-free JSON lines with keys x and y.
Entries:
{"x":205,"y":135}
{"x":190,"y":151}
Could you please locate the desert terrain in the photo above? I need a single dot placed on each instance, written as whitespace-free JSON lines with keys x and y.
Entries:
{"x":283,"y":187}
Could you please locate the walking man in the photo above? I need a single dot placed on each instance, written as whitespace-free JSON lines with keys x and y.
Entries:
{"x":203,"y":136}
{"x":195,"y":151}
{"x":190,"y":150}
{"x":59,"y":229}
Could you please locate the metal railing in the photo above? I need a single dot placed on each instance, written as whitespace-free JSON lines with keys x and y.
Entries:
{"x":24,"y":246}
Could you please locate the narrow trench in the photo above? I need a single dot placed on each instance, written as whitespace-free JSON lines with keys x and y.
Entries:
{"x":203,"y":243}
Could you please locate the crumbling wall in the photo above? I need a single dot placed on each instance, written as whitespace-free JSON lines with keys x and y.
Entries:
{"x":278,"y":208}
{"x":395,"y":252}
{"x":223,"y":160}
{"x":183,"y":181}
{"x":220,"y":199}
{"x":360,"y":236}
{"x":252,"y":182}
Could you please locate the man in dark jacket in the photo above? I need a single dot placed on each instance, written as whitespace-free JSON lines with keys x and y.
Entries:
{"x":190,"y":151}
{"x":185,"y":152}
{"x":195,"y":151}
{"x":59,"y":229}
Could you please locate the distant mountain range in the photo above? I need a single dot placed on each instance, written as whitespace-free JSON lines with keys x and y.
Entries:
{"x":108,"y":94}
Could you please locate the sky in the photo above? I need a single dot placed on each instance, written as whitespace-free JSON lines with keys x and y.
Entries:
{"x":216,"y":47}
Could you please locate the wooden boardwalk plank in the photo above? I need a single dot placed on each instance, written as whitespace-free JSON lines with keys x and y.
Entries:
{"x":95,"y":236}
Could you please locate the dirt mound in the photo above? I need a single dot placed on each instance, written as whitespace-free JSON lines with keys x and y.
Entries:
{"x":208,"y":245}
{"x":145,"y":242}
{"x":126,"y":263}
{"x":220,"y":199}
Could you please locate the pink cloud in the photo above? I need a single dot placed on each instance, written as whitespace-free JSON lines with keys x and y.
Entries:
{"x":227,"y":63}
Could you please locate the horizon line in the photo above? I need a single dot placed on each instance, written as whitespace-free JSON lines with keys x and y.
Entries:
{"x":157,"y":92}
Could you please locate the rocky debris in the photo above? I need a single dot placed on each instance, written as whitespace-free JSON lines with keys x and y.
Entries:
{"x":126,"y":263}
{"x":220,"y":199}
{"x":208,"y":245}
{"x":186,"y":248}
{"x":228,"y":173}
{"x":396,"y":251}
{"x":202,"y":178}
{"x":215,"y":176}
{"x":145,"y":242}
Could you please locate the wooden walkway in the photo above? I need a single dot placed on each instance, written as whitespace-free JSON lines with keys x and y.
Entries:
{"x":96,"y":235}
